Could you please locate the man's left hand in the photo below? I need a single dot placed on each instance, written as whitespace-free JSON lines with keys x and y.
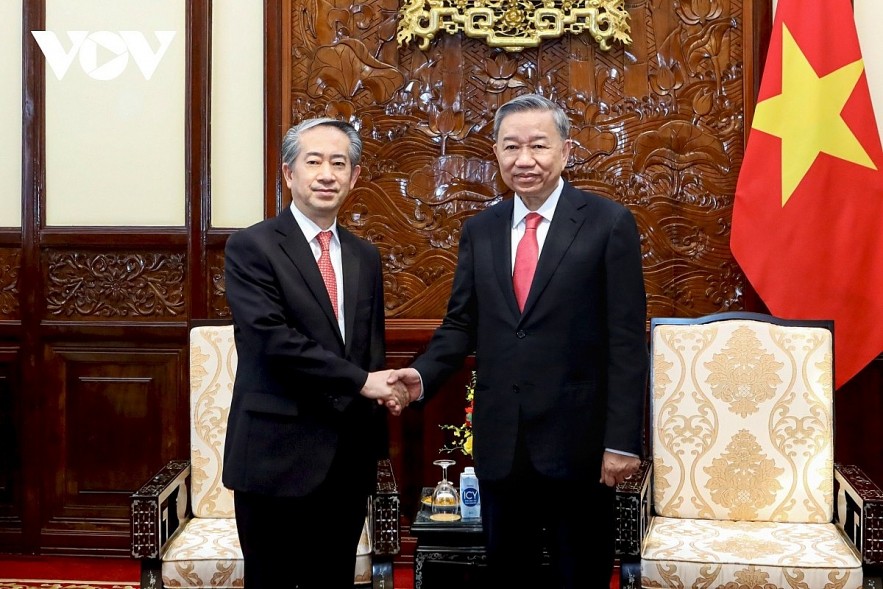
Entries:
{"x":615,"y":468}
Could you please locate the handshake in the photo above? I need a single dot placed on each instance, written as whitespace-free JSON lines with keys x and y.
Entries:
{"x":393,"y":388}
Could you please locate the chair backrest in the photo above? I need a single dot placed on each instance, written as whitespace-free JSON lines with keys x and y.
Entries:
{"x":212,"y":369}
{"x":742,"y":418}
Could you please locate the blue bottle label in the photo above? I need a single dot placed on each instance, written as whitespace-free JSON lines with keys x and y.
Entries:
{"x":470,"y":496}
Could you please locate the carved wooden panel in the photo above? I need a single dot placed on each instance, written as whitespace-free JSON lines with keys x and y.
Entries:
{"x":657,"y":126}
{"x":132,"y":285}
{"x":10,"y":265}
{"x":217,"y":289}
{"x":110,"y":424}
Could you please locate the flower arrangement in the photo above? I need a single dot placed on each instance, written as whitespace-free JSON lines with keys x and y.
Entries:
{"x":463,"y":433}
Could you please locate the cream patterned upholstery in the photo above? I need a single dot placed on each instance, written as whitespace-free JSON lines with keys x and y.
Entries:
{"x":743,"y":422}
{"x":205,"y":552}
{"x":737,"y":554}
{"x":742,"y":434}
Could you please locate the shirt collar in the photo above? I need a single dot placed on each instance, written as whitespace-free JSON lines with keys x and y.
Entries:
{"x":309,"y":228}
{"x":546,"y":210}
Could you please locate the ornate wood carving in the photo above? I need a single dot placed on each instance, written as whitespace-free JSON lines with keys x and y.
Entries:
{"x":10,"y":264}
{"x":122,"y":285}
{"x":217,"y":288}
{"x":657,"y":126}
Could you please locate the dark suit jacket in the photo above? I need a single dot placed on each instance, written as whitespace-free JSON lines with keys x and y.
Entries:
{"x":296,"y":401}
{"x":569,"y":373}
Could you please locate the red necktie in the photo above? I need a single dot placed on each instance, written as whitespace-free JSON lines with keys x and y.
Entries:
{"x":326,"y":269}
{"x":526,"y":259}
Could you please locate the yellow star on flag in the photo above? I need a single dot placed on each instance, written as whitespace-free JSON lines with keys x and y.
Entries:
{"x":806,"y":115}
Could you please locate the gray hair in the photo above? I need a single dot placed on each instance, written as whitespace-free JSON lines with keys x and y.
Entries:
{"x":533,"y":102}
{"x":291,"y":141}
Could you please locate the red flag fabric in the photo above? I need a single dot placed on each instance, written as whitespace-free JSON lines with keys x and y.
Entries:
{"x":808,"y":213}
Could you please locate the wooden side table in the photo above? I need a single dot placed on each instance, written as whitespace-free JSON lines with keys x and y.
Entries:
{"x":448,"y":555}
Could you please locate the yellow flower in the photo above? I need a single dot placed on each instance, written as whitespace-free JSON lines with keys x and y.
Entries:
{"x":467,"y":444}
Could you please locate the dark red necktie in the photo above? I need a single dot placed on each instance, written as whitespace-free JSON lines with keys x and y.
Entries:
{"x":526,"y":259}
{"x":326,"y":269}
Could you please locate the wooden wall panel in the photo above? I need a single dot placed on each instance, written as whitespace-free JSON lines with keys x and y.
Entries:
{"x":110,"y":426}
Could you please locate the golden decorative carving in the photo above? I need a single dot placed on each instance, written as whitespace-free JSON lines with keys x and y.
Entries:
{"x":514,"y":24}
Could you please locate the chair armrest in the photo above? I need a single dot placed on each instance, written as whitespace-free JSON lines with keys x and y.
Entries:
{"x":633,"y":511}
{"x":859,"y":511}
{"x":384,"y":511}
{"x":159,"y":509}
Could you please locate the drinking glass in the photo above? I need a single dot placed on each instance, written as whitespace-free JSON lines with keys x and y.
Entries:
{"x":445,"y":498}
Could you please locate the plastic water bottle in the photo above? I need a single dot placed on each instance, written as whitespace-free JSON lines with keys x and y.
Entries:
{"x":470,"y":499}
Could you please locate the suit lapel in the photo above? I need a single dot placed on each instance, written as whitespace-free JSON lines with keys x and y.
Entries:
{"x":296,"y":247}
{"x":567,"y":221}
{"x":501,"y":250}
{"x":351,"y":267}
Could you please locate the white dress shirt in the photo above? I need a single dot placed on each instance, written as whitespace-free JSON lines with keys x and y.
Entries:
{"x":546,"y":211}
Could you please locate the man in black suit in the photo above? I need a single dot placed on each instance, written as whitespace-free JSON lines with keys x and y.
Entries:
{"x":307,"y":423}
{"x":561,"y":357}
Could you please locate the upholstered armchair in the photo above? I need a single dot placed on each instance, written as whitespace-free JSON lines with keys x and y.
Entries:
{"x":183,"y":526}
{"x":741,"y":489}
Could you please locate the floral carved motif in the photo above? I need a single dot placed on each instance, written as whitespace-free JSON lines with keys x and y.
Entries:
{"x":10,"y":264}
{"x":217,"y":288}
{"x":116,"y":285}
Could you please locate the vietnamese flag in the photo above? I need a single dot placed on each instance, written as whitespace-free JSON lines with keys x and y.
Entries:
{"x":808,"y":213}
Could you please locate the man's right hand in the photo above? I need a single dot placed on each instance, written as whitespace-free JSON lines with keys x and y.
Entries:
{"x":390,"y":393}
{"x":410,"y":379}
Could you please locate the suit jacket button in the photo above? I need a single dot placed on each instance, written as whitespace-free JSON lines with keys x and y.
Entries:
{"x":520,"y":334}
{"x":515,"y":389}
